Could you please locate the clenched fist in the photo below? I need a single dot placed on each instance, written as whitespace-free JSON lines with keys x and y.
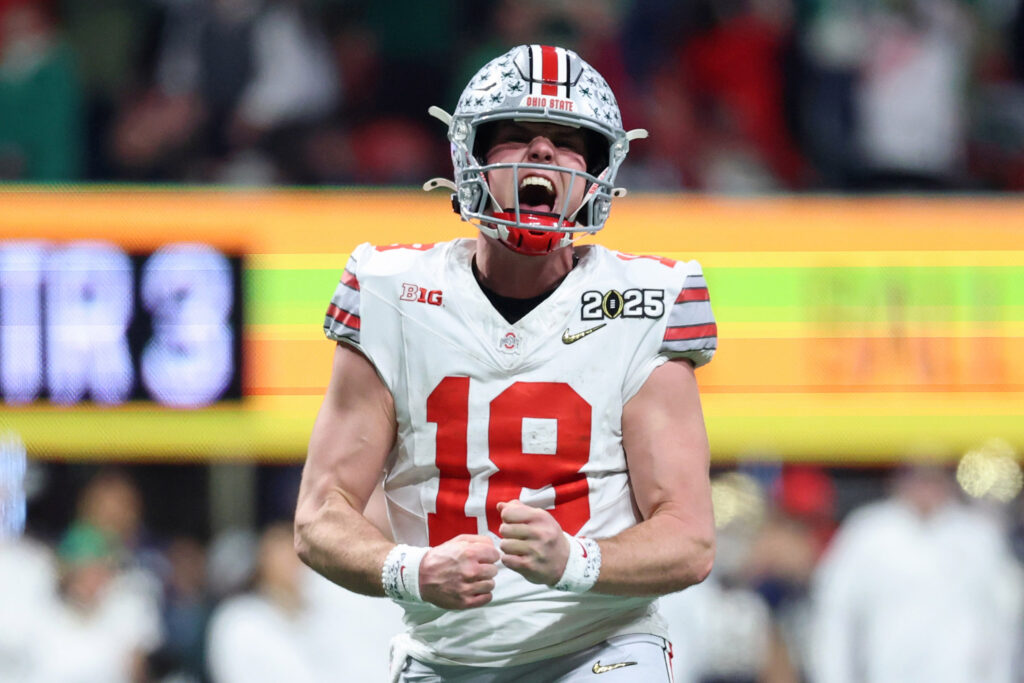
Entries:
{"x":459,"y":573}
{"x":532,"y":542}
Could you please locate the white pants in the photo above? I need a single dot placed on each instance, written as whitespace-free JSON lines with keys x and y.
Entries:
{"x":640,"y":657}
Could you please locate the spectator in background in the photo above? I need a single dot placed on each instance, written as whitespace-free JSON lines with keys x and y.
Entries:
{"x":295,"y":626}
{"x":111,"y":584}
{"x":258,"y":635}
{"x":784,"y":555}
{"x":733,"y":66}
{"x":28,"y":593}
{"x":828,"y":52}
{"x":41,"y":137}
{"x":294,"y":86}
{"x":1015,"y":33}
{"x":996,"y":150}
{"x":103,"y":628}
{"x":724,"y":630}
{"x":721,"y":630}
{"x":415,"y":43}
{"x":28,"y":572}
{"x":186,"y":611}
{"x":239,"y":85}
{"x":911,"y":99}
{"x":507,"y":23}
{"x":111,"y":504}
{"x":917,"y":587}
{"x":111,"y":41}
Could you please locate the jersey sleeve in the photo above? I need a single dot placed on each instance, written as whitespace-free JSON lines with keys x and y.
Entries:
{"x":342,"y":322}
{"x":691,"y":331}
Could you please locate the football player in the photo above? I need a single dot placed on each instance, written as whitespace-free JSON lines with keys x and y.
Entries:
{"x":529,"y":406}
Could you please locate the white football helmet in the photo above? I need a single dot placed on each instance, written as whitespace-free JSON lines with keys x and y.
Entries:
{"x":546,"y":84}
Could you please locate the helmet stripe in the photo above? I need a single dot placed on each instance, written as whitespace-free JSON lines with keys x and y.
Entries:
{"x":550,"y":70}
{"x":564,"y":74}
{"x":536,"y":69}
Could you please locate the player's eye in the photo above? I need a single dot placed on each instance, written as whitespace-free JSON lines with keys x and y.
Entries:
{"x":513,"y":135}
{"x":570,"y":143}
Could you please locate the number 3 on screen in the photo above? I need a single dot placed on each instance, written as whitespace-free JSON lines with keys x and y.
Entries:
{"x":448,"y":407}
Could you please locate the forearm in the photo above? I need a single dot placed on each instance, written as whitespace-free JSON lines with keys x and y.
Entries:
{"x":337,"y":541}
{"x":660,"y":555}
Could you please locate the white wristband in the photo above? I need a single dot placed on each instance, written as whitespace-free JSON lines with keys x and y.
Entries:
{"x":400,"y":574}
{"x":583,"y":566}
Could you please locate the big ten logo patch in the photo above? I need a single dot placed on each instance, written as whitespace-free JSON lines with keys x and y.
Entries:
{"x":421,"y":294}
{"x":632,"y":303}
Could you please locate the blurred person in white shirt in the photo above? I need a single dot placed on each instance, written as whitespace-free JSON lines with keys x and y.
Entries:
{"x":296,"y":626}
{"x":28,"y":593}
{"x":917,"y":587}
{"x":105,"y":624}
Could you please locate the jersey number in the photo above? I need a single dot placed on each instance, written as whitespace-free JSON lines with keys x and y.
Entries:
{"x":448,"y":408}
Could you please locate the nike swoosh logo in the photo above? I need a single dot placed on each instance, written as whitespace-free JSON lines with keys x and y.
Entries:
{"x":571,"y":338}
{"x":600,"y":668}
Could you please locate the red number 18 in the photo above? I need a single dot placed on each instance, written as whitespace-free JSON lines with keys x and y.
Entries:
{"x":448,"y":408}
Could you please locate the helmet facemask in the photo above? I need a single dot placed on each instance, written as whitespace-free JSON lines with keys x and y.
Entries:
{"x":518,"y":87}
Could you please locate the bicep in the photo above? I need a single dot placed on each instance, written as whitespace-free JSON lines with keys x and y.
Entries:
{"x":352,"y":436}
{"x":667,"y":448}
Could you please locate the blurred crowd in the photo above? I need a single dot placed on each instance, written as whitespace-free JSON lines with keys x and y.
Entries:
{"x":739,"y":95}
{"x":818,"y":578}
{"x":107,"y":600}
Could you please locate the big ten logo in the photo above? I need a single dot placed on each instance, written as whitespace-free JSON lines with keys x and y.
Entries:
{"x":422,"y":295}
{"x":86,"y":320}
{"x":631,"y":303}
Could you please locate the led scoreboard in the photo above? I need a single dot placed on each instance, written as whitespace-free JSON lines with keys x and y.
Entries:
{"x":87,"y":321}
{"x":188,"y":324}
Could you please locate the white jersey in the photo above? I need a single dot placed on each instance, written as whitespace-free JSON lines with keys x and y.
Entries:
{"x":489,"y":411}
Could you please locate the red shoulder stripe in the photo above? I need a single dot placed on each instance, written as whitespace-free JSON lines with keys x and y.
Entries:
{"x":342,"y":316}
{"x":693,"y":294}
{"x":349,"y":280}
{"x":691,"y":332}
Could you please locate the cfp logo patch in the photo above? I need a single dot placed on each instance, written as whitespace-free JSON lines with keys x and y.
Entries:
{"x":420,"y":294}
{"x":632,"y":303}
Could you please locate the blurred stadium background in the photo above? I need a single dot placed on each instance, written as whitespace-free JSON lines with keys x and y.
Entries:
{"x":847,"y":171}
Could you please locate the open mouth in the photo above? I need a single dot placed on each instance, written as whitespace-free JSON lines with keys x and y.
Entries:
{"x":537,"y":194}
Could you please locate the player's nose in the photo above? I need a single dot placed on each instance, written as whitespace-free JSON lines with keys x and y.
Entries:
{"x":541,"y":150}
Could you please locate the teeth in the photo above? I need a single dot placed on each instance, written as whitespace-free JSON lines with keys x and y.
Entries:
{"x":537,"y":180}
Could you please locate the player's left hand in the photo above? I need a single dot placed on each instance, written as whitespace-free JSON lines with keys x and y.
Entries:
{"x":532,"y":542}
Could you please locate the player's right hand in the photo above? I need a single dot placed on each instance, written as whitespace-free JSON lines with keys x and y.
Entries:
{"x":459,"y":573}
